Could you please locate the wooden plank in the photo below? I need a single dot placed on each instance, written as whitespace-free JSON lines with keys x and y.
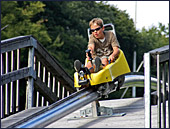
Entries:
{"x":160,"y":50}
{"x":164,"y":57}
{"x":17,"y":43}
{"x":133,"y":107}
{"x":134,"y":118}
{"x":163,"y":52}
{"x":17,"y":74}
{"x":19,"y":118}
{"x":45,"y":91}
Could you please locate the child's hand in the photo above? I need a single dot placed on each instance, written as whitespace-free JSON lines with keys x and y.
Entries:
{"x":111,"y":58}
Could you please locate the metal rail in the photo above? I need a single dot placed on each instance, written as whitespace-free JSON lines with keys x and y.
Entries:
{"x":134,"y":80}
{"x":62,"y":108}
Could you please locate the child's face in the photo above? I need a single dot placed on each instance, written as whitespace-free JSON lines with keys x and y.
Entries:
{"x":97,"y":31}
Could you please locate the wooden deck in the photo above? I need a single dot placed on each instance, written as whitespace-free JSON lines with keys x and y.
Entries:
{"x":20,"y":117}
{"x":134,"y":118}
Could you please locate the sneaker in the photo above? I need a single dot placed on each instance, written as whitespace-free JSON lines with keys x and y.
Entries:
{"x":77,"y":65}
{"x":97,"y":63}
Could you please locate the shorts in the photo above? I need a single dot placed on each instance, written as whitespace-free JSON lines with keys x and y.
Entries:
{"x":107,"y":57}
{"x":103,"y":57}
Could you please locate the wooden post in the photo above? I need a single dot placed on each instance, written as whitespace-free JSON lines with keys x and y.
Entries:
{"x":6,"y":87}
{"x":42,"y":98}
{"x":164,"y":95}
{"x":11,"y":88}
{"x":168,"y":97}
{"x":17,"y":82}
{"x":30,"y":87}
{"x":147,"y":87}
{"x":2,"y":93}
{"x":158,"y":93}
{"x":38,"y":96}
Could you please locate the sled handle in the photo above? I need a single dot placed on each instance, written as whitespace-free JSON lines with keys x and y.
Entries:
{"x":89,"y":54}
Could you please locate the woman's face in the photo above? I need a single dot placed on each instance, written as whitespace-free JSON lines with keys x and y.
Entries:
{"x":97,"y":31}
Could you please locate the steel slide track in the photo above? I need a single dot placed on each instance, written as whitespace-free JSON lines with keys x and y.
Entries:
{"x":73,"y":102}
{"x":62,"y":108}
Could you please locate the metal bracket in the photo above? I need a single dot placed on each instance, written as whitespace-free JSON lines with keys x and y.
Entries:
{"x":103,"y":111}
{"x":96,"y":111}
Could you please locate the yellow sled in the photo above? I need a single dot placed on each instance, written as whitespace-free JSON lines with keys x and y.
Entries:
{"x":107,"y":74}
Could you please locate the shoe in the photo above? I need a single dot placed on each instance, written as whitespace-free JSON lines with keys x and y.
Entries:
{"x":97,"y":63}
{"x":77,"y":65}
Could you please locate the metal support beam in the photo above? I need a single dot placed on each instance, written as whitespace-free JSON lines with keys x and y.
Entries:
{"x":134,"y":70}
{"x":94,"y":109}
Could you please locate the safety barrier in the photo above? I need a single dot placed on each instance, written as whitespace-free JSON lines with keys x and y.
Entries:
{"x":160,"y":58}
{"x":26,"y":64}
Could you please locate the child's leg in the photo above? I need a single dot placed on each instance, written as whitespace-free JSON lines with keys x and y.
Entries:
{"x":104,"y":61}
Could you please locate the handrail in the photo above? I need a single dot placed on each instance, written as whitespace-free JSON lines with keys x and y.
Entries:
{"x":17,"y":43}
{"x":45,"y":79}
{"x":160,"y":58}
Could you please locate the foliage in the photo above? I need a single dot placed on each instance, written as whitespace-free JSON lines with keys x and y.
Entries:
{"x":69,"y":21}
{"x":153,"y":38}
{"x":18,"y":16}
{"x":61,"y":26}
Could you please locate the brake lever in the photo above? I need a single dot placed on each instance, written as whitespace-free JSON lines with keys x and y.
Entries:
{"x":109,"y":61}
{"x":89,"y":54}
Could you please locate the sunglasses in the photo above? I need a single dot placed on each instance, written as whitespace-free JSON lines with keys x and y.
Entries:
{"x":92,"y":30}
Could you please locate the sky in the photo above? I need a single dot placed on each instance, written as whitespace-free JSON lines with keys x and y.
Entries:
{"x":148,"y":13}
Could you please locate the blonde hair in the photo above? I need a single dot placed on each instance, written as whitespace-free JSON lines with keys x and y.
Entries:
{"x":98,"y":21}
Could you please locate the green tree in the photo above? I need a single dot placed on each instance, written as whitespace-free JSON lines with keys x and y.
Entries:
{"x":69,"y":21}
{"x":150,"y":39}
{"x":61,"y":26}
{"x":18,"y":16}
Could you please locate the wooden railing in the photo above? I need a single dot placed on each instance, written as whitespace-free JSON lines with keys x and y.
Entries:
{"x":30,"y":72}
{"x":160,"y":58}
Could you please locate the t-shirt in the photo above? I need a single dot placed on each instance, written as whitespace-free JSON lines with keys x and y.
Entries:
{"x":104,"y":48}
